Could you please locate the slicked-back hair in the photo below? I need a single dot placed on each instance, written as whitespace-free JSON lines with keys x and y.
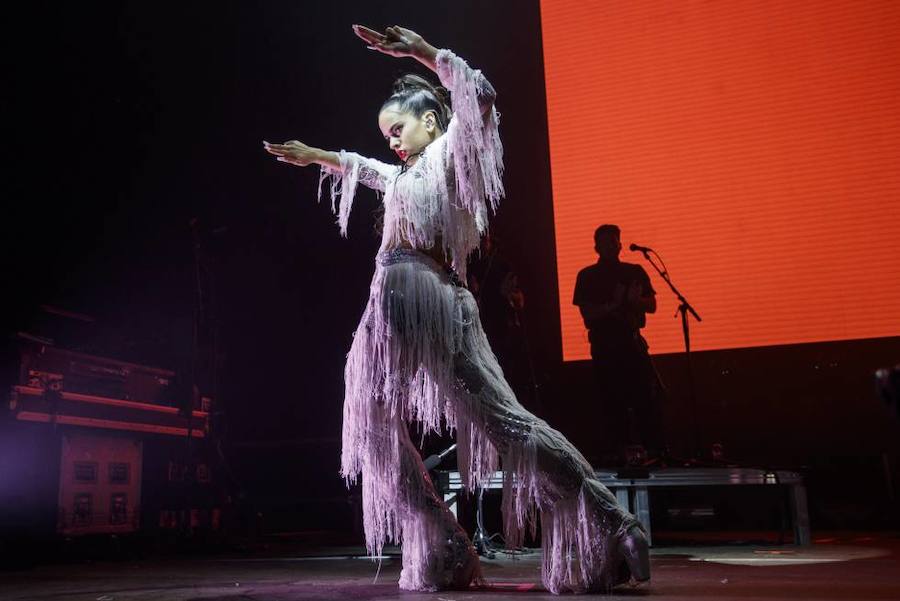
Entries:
{"x":414,"y":94}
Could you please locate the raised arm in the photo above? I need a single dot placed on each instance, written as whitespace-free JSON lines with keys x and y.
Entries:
{"x":474,"y":151}
{"x":401,"y":42}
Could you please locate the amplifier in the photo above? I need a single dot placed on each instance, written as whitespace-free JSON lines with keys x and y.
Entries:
{"x":48,"y":367}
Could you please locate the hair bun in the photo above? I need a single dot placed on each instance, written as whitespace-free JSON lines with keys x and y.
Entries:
{"x":413,"y":83}
{"x":442,"y":94}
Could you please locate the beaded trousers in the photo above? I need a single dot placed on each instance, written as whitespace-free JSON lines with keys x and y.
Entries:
{"x":420,"y":354}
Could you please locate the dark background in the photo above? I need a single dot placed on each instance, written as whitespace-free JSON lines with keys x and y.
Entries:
{"x":128,"y":120}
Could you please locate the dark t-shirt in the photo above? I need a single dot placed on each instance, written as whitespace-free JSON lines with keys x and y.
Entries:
{"x":605,"y":282}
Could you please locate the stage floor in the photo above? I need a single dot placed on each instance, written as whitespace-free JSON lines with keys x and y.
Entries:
{"x":857,"y":568}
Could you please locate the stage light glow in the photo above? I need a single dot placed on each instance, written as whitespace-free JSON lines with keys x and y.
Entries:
{"x":754,"y":144}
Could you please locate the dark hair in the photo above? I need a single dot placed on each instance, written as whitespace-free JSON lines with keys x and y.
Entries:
{"x":415,"y":94}
{"x":607,"y":229}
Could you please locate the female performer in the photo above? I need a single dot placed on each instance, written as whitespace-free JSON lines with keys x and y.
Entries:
{"x":420,"y":354}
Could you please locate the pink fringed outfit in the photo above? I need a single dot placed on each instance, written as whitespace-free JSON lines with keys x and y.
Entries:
{"x":420,"y":354}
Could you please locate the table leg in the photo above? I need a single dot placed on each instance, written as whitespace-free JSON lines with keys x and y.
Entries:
{"x":799,"y":514}
{"x":642,"y":509}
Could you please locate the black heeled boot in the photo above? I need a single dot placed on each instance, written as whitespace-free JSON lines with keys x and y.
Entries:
{"x":635,"y":552}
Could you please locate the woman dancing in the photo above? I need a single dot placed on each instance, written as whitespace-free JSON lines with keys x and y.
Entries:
{"x":420,"y":354}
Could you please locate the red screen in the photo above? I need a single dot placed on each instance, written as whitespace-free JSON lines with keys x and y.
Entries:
{"x":755,"y":145}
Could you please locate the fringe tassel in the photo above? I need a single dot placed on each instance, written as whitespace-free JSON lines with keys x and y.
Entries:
{"x":578,"y":543}
{"x":342,"y":189}
{"x":474,"y":138}
{"x":399,"y":367}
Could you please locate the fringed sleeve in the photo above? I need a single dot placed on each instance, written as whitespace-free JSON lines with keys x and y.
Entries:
{"x":355,"y":169}
{"x":473,"y":137}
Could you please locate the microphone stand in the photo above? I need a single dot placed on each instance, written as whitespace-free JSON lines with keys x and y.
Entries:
{"x":684,"y":308}
{"x":480,"y":540}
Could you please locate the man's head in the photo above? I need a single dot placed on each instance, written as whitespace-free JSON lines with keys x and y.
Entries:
{"x":606,"y":242}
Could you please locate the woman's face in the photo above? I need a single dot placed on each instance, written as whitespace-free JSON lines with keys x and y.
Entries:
{"x":407,"y":135}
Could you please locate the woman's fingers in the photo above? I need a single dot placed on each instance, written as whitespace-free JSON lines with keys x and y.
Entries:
{"x":282,"y":153}
{"x":288,"y":158}
{"x":395,"y":34}
{"x":289,"y":146}
{"x":395,"y":41}
{"x":293,"y":152}
{"x":390,"y":48}
{"x":368,"y":33}
{"x":370,"y":36}
{"x":391,"y":34}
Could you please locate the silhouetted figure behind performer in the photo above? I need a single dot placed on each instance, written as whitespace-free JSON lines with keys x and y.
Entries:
{"x":614,"y":298}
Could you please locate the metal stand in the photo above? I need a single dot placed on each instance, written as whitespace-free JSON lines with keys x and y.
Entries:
{"x":684,"y":308}
{"x":204,"y":361}
{"x":481,"y":540}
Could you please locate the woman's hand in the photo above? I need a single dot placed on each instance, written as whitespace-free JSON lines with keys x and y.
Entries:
{"x":293,"y":152}
{"x":398,"y":41}
{"x":395,"y":41}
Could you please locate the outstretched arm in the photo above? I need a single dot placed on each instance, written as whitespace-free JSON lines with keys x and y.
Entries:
{"x":299,"y":154}
{"x":369,"y":172}
{"x":346,"y":170}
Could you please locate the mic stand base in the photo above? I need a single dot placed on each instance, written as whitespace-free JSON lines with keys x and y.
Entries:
{"x":481,"y":540}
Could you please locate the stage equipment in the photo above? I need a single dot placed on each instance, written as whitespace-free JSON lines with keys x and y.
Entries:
{"x":99,"y":484}
{"x":634,"y":493}
{"x":114,"y":425}
{"x":64,"y":387}
{"x":685,"y":309}
{"x":435,"y":460}
{"x":481,"y":540}
{"x":46,"y":366}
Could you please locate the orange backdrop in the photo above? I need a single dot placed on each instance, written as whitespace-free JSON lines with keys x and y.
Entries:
{"x":755,"y":145}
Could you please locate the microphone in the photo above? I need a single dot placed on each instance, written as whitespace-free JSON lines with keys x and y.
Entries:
{"x":435,"y":460}
{"x":643,"y":249}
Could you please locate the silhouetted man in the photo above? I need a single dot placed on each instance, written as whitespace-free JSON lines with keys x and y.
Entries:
{"x":614,"y":299}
